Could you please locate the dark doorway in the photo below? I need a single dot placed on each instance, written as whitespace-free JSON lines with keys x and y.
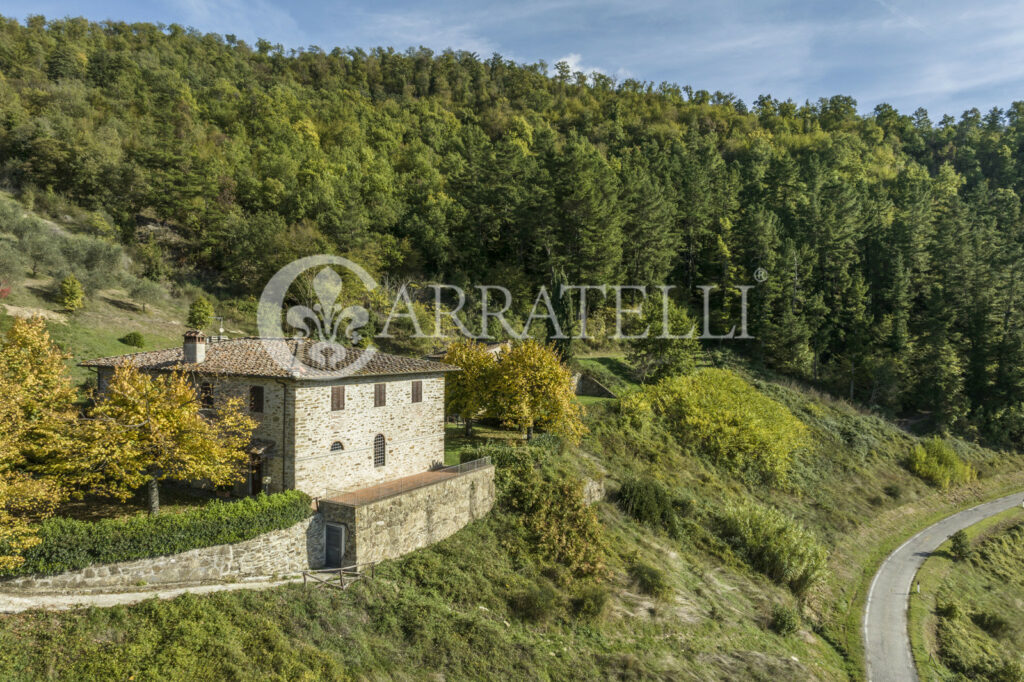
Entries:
{"x":256,"y":476}
{"x":335,"y":546}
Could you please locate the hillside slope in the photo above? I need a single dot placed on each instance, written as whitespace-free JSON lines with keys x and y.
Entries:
{"x":37,"y":253}
{"x":517,"y":596}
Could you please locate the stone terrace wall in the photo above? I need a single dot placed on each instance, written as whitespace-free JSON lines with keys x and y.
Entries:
{"x":394,"y":526}
{"x":281,"y":552}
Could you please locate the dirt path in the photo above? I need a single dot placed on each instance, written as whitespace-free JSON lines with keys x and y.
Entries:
{"x":15,"y":603}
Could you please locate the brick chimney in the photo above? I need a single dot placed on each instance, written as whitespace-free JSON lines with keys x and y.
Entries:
{"x":195,"y":347}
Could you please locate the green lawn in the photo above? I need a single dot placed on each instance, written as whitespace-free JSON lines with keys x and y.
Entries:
{"x":173,"y":499}
{"x":456,"y":442}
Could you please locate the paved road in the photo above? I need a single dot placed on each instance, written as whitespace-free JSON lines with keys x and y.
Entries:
{"x":885,"y":615}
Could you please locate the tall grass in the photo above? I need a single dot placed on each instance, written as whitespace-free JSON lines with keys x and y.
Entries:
{"x":774,"y":544}
{"x":935,"y":462}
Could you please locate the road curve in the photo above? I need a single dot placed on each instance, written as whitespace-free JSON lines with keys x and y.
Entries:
{"x":886,"y":640}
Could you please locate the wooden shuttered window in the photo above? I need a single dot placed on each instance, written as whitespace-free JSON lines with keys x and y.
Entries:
{"x":417,"y":391}
{"x":380,"y":398}
{"x":337,"y":398}
{"x":256,"y":399}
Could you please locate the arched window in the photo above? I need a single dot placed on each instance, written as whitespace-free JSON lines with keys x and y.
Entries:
{"x":337,"y":446}
{"x":379,"y":451}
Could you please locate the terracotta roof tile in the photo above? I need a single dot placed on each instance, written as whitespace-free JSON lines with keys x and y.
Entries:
{"x":277,"y":358}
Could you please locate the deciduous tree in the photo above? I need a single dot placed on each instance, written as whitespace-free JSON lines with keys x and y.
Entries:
{"x":200,"y":313}
{"x":532,"y":388}
{"x":468,"y":393}
{"x":147,"y":429}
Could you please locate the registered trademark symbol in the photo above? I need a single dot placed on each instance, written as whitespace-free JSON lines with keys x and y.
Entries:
{"x":760,"y":275}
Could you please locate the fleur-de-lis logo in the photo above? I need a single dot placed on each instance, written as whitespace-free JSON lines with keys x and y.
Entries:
{"x":327,"y":314}
{"x":322,"y":327}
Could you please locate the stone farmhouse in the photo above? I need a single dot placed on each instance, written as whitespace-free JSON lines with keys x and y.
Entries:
{"x":366,"y":444}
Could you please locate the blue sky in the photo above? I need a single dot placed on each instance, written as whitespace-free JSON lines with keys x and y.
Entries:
{"x":944,"y":56}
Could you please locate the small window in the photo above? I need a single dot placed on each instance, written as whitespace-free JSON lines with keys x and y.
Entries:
{"x":380,"y":397}
{"x":379,"y":451}
{"x":206,"y":395}
{"x":337,"y":446}
{"x":337,"y":398}
{"x":417,"y":391}
{"x":256,"y":399}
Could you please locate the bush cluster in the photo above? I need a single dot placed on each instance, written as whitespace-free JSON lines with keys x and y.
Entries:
{"x":69,"y":544}
{"x":719,"y":415}
{"x":133,"y":339}
{"x":560,"y":525}
{"x":650,"y":502}
{"x":589,"y":602}
{"x":960,"y":545}
{"x":537,"y":603}
{"x":650,"y":580}
{"x":936,"y":462}
{"x":785,"y":620}
{"x":774,"y":544}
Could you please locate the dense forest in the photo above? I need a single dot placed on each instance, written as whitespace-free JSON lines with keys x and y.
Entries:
{"x":892,"y":243}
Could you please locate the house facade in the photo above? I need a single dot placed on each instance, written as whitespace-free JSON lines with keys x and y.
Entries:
{"x":320,"y":432}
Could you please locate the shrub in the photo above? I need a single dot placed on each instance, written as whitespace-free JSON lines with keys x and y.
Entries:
{"x":133,"y":339}
{"x":590,"y":601}
{"x":894,"y":491}
{"x":949,"y":609}
{"x":537,"y":603}
{"x":992,"y":623}
{"x":785,"y":620}
{"x":721,"y":416}
{"x":775,"y":545}
{"x":650,"y":580}
{"x":69,"y":544}
{"x":200,"y":313}
{"x":71,"y":296}
{"x":960,"y":546}
{"x":936,"y":462}
{"x":560,"y":525}
{"x":648,"y":501}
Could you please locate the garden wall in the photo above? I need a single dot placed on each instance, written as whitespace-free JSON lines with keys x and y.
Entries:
{"x":278,"y":553}
{"x":397,"y":525}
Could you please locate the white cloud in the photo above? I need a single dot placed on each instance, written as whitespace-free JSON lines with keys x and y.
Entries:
{"x":576,"y":63}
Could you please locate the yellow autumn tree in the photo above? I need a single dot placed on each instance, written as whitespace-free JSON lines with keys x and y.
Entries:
{"x":37,"y":416}
{"x":467,"y":393}
{"x":531,"y":387}
{"x":146,"y":429}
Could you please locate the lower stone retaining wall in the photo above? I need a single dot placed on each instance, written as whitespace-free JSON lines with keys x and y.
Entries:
{"x":280,"y":552}
{"x":393,"y":526}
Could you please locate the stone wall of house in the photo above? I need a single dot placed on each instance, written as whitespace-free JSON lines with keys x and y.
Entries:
{"x":413,"y":432}
{"x":278,"y":553}
{"x":272,"y":425}
{"x":397,"y":525}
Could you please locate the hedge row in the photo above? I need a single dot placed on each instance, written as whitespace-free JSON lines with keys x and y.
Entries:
{"x":69,"y":544}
